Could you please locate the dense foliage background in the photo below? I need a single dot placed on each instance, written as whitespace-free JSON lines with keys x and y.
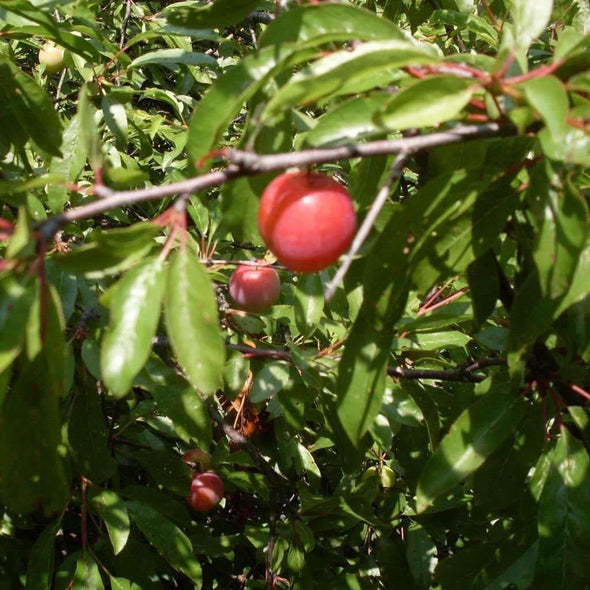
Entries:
{"x":425,"y":427}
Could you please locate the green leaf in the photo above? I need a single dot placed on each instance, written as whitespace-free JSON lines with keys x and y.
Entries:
{"x":178,"y":400}
{"x":68,"y":167}
{"x":564,"y":534}
{"x":309,"y":303}
{"x":88,"y":129}
{"x":171,"y":58}
{"x":218,"y":14}
{"x":469,"y":22}
{"x":88,"y":436}
{"x":328,"y":22}
{"x":167,"y":538}
{"x":426,"y":103}
{"x":192,"y":322}
{"x":29,"y":108}
{"x":16,"y":299}
{"x":548,"y":96}
{"x":45,"y":335}
{"x":41,"y":561}
{"x":31,"y":450}
{"x":362,"y":369}
{"x":134,"y":303}
{"x":50,"y":29}
{"x":87,"y":575}
{"x":115,"y":117}
{"x":484,"y":284}
{"x":349,"y":121}
{"x":530,"y":20}
{"x":369,"y":65}
{"x":239,"y":204}
{"x":269,"y":381}
{"x":66,"y":287}
{"x":167,"y":469}
{"x":222,"y":103}
{"x":110,"y":251}
{"x":561,"y":219}
{"x":421,"y":555}
{"x":123,"y":584}
{"x":113,"y":511}
{"x":476,"y":433}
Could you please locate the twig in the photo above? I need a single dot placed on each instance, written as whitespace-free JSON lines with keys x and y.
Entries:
{"x":463,"y":373}
{"x":124,"y":24}
{"x":261,"y":352}
{"x":493,"y":18}
{"x":261,"y":17}
{"x":368,"y":222}
{"x":577,"y":389}
{"x":239,"y":439}
{"x":249,"y":164}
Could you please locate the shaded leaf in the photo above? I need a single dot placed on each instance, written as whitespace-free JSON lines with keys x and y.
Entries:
{"x":564,"y":535}
{"x":167,"y":538}
{"x":88,"y":436}
{"x":178,"y":400}
{"x":113,"y":511}
{"x":41,"y":561}
{"x":475,"y":434}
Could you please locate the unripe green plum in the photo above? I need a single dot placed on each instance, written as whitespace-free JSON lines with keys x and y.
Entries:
{"x":52,"y":57}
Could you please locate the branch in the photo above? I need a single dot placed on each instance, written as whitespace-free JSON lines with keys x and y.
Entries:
{"x":250,"y":164}
{"x":274,"y":479}
{"x":368,"y":222}
{"x":468,"y":373}
{"x":463,"y":373}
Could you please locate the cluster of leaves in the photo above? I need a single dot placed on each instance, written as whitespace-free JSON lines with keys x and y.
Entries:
{"x":368,"y":449}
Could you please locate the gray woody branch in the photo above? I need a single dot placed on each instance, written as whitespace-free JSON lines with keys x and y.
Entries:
{"x":250,"y":164}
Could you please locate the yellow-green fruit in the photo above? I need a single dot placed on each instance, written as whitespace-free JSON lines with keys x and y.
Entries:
{"x":52,"y":57}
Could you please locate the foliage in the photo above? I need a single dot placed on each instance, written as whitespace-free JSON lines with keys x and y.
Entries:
{"x":425,"y":427}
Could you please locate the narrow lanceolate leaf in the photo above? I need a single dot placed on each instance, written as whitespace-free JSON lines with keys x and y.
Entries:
{"x":16,"y":299}
{"x":564,"y":505}
{"x":68,"y":167}
{"x":227,"y":96}
{"x":31,"y":461}
{"x":362,"y":371}
{"x":530,"y":19}
{"x":42,"y":560}
{"x":88,"y":436}
{"x":113,"y":511}
{"x":426,"y":103}
{"x":549,"y":98}
{"x":167,"y":538}
{"x":87,"y":575}
{"x":115,"y":117}
{"x":29,"y":109}
{"x":328,"y":22}
{"x":472,"y":438}
{"x":192,"y":322}
{"x":173,"y":58}
{"x":218,"y":14}
{"x":561,"y":220}
{"x":135,"y":309}
{"x":178,"y":400}
{"x":309,"y":303}
{"x":369,"y":65}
